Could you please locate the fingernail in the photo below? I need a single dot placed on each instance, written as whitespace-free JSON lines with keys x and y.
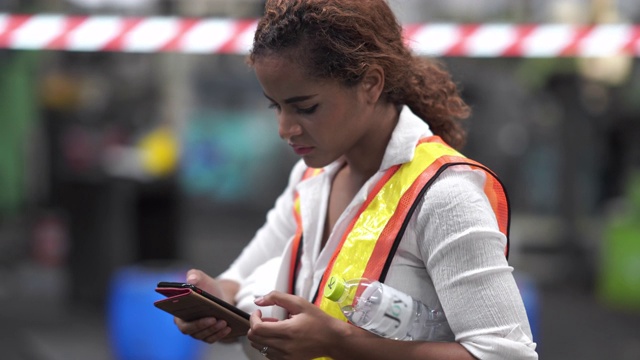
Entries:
{"x":258,"y":299}
{"x":191,"y":279}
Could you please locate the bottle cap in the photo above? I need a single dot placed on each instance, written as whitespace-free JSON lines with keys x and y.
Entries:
{"x":334,"y":288}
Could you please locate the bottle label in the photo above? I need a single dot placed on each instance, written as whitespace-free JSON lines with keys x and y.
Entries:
{"x":393,"y":317}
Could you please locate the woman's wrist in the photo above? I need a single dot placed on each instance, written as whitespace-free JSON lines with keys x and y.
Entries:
{"x":346,"y":338}
{"x":340,"y":333}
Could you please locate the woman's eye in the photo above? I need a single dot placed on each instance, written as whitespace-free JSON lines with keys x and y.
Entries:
{"x":307,"y":111}
{"x":274,"y":106}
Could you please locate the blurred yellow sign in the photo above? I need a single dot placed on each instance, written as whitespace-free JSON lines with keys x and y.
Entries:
{"x":159,"y":151}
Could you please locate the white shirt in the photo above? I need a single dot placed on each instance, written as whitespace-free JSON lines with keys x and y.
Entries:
{"x":451,"y":255}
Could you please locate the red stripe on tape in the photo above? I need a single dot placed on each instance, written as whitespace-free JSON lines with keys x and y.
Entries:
{"x":61,"y":41}
{"x":633,"y":46}
{"x":460,"y":47}
{"x":522,"y":32}
{"x":183,"y":27}
{"x":580,"y":34}
{"x":231,"y":45}
{"x":117,"y":43}
{"x":13,"y":23}
{"x":409,"y":32}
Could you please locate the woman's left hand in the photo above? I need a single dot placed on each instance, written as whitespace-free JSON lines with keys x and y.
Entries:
{"x":308,"y":332}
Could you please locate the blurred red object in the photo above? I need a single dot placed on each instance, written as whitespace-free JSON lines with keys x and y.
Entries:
{"x":50,"y":240}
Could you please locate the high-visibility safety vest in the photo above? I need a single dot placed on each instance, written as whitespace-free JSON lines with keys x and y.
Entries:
{"x":373,"y":236}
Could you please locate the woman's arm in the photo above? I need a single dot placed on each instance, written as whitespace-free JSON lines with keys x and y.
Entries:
{"x":310,"y":333}
{"x":356,"y":343}
{"x":463,"y":250}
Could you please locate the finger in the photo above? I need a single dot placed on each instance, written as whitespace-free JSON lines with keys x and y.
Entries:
{"x":193,"y":327}
{"x":265,"y":320}
{"x":293,"y":304}
{"x":257,"y":346}
{"x":193,"y":276}
{"x":273,"y":348}
{"x":260,"y":347}
{"x":210,"y":331}
{"x":254,"y":335}
{"x":255,"y":318}
{"x":218,"y":336}
{"x":205,"y":282}
{"x":263,"y":331}
{"x":200,"y":279}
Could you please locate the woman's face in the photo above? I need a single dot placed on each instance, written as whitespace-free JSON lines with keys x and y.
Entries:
{"x":320,"y":119}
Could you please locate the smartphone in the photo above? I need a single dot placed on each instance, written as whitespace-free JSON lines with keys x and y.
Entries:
{"x":188,"y":302}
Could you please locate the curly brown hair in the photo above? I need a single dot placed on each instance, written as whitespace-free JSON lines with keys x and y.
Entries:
{"x":341,"y":39}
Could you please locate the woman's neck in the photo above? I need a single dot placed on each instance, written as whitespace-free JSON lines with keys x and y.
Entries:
{"x":365,"y":160}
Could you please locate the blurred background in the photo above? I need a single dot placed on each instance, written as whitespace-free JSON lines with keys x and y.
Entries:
{"x":125,"y":165}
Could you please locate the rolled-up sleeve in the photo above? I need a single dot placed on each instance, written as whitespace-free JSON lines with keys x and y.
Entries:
{"x":464,"y":254}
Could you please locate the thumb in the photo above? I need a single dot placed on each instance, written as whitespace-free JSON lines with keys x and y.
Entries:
{"x":200,"y":279}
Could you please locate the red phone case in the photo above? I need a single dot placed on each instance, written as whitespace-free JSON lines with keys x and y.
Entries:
{"x":188,"y":305}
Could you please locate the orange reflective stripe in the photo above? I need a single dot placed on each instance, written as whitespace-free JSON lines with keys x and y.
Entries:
{"x":297,"y":238}
{"x":499,"y":203}
{"x":293,"y":268}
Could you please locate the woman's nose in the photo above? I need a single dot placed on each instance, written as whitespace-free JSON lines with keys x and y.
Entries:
{"x":288,"y":126}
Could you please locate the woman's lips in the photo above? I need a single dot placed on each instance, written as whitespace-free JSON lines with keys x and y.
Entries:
{"x":301,"y":150}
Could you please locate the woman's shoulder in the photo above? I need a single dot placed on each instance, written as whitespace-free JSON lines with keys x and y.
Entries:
{"x":457,"y":182}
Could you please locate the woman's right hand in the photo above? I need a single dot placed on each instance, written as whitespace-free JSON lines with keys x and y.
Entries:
{"x":209,"y":330}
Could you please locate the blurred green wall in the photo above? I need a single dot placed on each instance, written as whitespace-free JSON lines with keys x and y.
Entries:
{"x":18,"y":112}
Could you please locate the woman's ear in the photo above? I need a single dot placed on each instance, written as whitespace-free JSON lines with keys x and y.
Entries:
{"x":373,"y":83}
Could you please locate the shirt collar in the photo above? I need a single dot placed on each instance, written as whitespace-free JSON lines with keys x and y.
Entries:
{"x":405,"y":136}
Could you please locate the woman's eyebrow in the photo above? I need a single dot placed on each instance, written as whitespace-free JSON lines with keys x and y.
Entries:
{"x":293,"y":99}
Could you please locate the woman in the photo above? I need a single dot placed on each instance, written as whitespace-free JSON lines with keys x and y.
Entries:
{"x":359,"y":109}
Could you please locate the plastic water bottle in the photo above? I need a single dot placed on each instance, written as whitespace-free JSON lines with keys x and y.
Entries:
{"x":386,"y":311}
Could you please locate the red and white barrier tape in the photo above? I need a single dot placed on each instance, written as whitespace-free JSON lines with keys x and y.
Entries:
{"x":231,"y":36}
